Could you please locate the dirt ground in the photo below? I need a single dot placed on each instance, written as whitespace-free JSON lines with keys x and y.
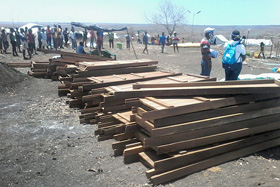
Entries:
{"x":43,"y":143}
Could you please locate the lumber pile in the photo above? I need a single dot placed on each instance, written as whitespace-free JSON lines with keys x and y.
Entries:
{"x":80,"y":88}
{"x":197,"y":126}
{"x":39,"y":69}
{"x":110,"y":104}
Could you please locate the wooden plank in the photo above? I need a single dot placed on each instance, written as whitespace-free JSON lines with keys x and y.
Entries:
{"x":148,"y":76}
{"x":181,"y":136}
{"x":210,"y":122}
{"x":139,"y":69}
{"x":200,"y":91}
{"x":156,"y":114}
{"x":123,"y":136}
{"x":123,"y":143}
{"x":186,"y":170}
{"x":217,"y":138}
{"x":133,"y":150}
{"x":216,"y":112}
{"x":199,"y":84}
{"x":181,"y":160}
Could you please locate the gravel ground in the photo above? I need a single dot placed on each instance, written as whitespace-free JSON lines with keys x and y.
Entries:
{"x":43,"y":143}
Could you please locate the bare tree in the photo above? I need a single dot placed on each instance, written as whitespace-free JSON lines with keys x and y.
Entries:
{"x":168,"y":15}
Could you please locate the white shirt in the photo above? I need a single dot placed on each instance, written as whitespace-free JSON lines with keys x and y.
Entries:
{"x":239,"y":50}
{"x":72,"y":35}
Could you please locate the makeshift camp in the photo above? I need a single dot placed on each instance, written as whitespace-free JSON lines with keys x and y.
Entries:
{"x":257,"y":42}
{"x":220,"y":40}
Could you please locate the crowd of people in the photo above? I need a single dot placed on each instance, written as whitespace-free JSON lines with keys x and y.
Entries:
{"x":23,"y":41}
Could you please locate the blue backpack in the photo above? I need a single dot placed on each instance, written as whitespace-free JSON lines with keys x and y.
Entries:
{"x":229,"y":55}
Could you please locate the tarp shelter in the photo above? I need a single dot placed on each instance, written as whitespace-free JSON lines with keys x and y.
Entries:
{"x":257,"y":42}
{"x":31,"y":26}
{"x":96,"y":28}
{"x":220,"y":40}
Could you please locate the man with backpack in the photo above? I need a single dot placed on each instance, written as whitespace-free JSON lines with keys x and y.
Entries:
{"x":233,"y":57}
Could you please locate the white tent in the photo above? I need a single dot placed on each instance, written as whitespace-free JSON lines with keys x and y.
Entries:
{"x":220,"y":40}
{"x":257,"y":42}
{"x":31,"y":26}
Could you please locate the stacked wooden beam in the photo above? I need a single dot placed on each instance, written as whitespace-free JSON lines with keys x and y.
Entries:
{"x":19,"y":64}
{"x":108,"y":102}
{"x":39,"y":69}
{"x":79,"y":89}
{"x":198,"y":126}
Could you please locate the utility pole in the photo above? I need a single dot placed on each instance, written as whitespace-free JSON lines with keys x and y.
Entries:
{"x":193,"y":22}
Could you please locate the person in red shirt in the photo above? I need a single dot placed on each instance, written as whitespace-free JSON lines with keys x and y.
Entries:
{"x":49,"y":36}
{"x":92,"y":36}
{"x":31,"y":41}
{"x":206,"y":63}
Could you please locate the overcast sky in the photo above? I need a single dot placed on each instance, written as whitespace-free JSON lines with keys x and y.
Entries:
{"x":213,"y":12}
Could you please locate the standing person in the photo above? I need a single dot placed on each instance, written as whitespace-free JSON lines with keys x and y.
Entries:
{"x":13,"y":42}
{"x":145,"y":42}
{"x":111,"y":40}
{"x":55,"y":37}
{"x":99,"y":41}
{"x":128,"y":40}
{"x":49,"y":36}
{"x":175,"y":41}
{"x":66,"y":37}
{"x":92,"y":38}
{"x":5,"y":41}
{"x":39,"y":34}
{"x":102,"y":37}
{"x":233,"y":57}
{"x":1,"y":44}
{"x":72,"y":36}
{"x":262,"y":50}
{"x":31,"y":42}
{"x":162,"y":41}
{"x":206,"y":63}
{"x":85,"y":37}
{"x":24,"y":44}
{"x":18,"y":40}
{"x":60,"y":37}
{"x":44,"y":39}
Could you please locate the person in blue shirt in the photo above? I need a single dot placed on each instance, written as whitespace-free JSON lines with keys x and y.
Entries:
{"x":80,"y":49}
{"x":162,"y":41}
{"x":145,"y":42}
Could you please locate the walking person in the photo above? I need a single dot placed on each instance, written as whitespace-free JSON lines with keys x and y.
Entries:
{"x":145,"y":42}
{"x":24,"y":44}
{"x":18,"y":40}
{"x":31,"y":42}
{"x":66,"y":37}
{"x":233,"y":57}
{"x":162,"y":41}
{"x":92,"y":38}
{"x":49,"y":36}
{"x":5,"y":41}
{"x":44,"y":39}
{"x":60,"y":37}
{"x":39,"y":34}
{"x":128,"y":40}
{"x":262,"y":50}
{"x":175,"y":41}
{"x":72,"y":36}
{"x":85,"y":37}
{"x":13,"y":42}
{"x":1,"y":44}
{"x":111,"y":40}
